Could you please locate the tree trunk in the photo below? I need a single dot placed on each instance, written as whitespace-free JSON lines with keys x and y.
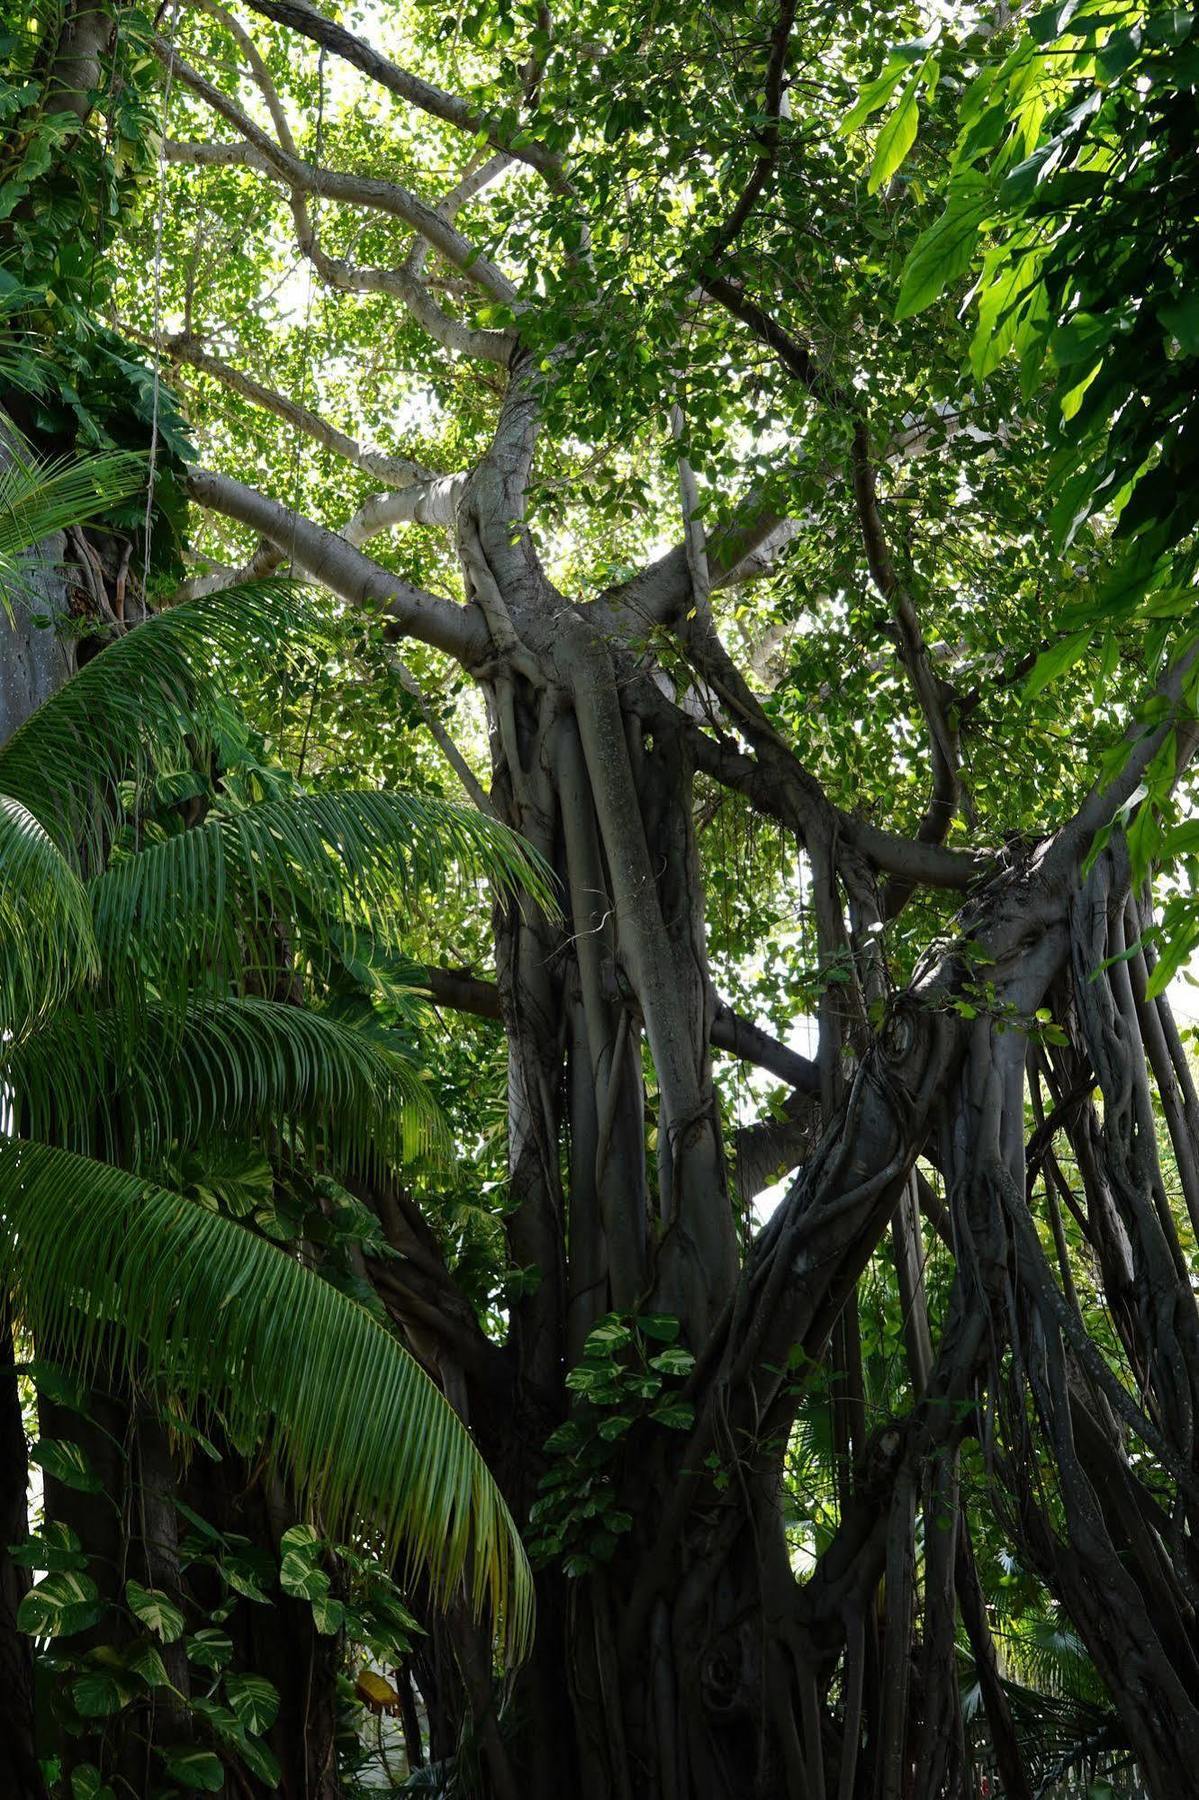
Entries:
{"x":696,"y":1667}
{"x":34,"y":661}
{"x":19,"y":1771}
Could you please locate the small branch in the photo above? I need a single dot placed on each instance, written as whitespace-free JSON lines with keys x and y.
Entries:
{"x":768,"y":137}
{"x":354,"y":190}
{"x":395,"y":471}
{"x":264,"y":562}
{"x":794,"y":355}
{"x":944,"y":749}
{"x":478,"y":176}
{"x":431,"y":502}
{"x":482,"y":344}
{"x":442,"y":738}
{"x":790,"y":795}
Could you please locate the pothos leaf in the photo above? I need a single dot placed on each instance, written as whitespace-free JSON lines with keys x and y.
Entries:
{"x":156,"y":1610}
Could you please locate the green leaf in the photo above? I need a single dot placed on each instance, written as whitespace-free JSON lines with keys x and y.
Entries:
{"x":99,"y":1693}
{"x":875,"y":94}
{"x":247,"y":1577}
{"x":54,"y":1547}
{"x":1182,"y":318}
{"x":255,"y":1701}
{"x":661,"y":1326}
{"x":198,"y":1770}
{"x":156,"y":1610}
{"x":328,"y":1616}
{"x":258,"y":1757}
{"x":209,"y":1648}
{"x":121,"y":1088}
{"x":61,"y":1604}
{"x":144,"y":1660}
{"x":47,"y":943}
{"x":298,"y":1577}
{"x":1055,"y":661}
{"x":678,"y":1415}
{"x":898,"y":134}
{"x":88,"y":1784}
{"x":943,"y":252}
{"x":305,"y":1540}
{"x":66,"y":1462}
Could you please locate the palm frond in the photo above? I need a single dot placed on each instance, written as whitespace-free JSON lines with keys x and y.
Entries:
{"x":293,"y":871}
{"x":225,"y":1067}
{"x":39,"y":497}
{"x":47,"y":946}
{"x":217,"y":1310}
{"x":143,"y":703}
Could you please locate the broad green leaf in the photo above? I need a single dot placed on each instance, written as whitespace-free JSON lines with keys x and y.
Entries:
{"x":1182,"y":318}
{"x":54,"y":1547}
{"x":897,"y":135}
{"x":209,"y":1648}
{"x":305,"y":1540}
{"x":662,"y":1326}
{"x":943,"y":252}
{"x":98,"y":1693}
{"x":876,"y":93}
{"x":679,"y":1415}
{"x":254,"y":1699}
{"x":328,"y":1616}
{"x":145,"y":1661}
{"x":247,"y":1576}
{"x":1055,"y":661}
{"x":199,"y":1770}
{"x":300,"y":1578}
{"x":258,"y":1757}
{"x":88,"y":1784}
{"x":61,"y":1604}
{"x":156,"y":1610}
{"x":65,"y":1461}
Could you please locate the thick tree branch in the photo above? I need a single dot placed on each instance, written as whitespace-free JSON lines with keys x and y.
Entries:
{"x":463,"y":991}
{"x":345,"y":571}
{"x":413,"y":89}
{"x":791,"y":799}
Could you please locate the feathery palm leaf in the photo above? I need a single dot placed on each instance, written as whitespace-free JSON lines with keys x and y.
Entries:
{"x":39,"y":497}
{"x":47,"y":946}
{"x":143,"y":703}
{"x":226,"y":1067}
{"x":219,"y":1310}
{"x":220,"y":895}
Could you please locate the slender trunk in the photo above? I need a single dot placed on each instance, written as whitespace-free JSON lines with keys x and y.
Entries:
{"x":20,"y":1775}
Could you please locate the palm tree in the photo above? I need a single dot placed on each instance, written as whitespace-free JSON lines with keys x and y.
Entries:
{"x":150,"y":966}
